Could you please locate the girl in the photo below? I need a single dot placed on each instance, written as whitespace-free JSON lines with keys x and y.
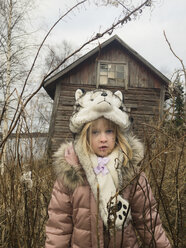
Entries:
{"x":99,"y":198}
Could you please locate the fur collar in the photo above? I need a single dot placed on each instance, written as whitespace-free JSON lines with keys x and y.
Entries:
{"x":71,"y":176}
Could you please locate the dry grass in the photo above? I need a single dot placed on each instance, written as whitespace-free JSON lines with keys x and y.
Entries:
{"x":24,"y":211}
{"x":165,"y":166}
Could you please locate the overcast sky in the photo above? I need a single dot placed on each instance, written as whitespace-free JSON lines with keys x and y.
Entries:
{"x":145,"y":35}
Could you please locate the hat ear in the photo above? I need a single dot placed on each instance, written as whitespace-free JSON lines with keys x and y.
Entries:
{"x":119,"y":94}
{"x":78,"y":93}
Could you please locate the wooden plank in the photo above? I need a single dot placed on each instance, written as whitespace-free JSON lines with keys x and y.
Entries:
{"x":142,"y":92}
{"x":52,"y":120}
{"x":63,"y":108}
{"x":145,"y":90}
{"x":60,"y":128}
{"x":62,"y":122}
{"x":138,"y":103}
{"x":66,"y":102}
{"x":161,"y":105}
{"x":62,"y":117}
{"x":147,"y":110}
{"x":63,"y":136}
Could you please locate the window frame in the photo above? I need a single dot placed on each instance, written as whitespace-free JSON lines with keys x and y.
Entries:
{"x":116,"y":83}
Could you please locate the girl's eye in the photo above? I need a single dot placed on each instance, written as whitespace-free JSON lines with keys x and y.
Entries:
{"x":94,"y":132}
{"x":109,"y":131}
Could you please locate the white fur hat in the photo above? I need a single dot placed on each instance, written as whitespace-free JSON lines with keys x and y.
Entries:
{"x":95,"y":104}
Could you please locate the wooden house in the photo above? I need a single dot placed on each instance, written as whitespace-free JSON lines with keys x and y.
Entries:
{"x":112,"y":65}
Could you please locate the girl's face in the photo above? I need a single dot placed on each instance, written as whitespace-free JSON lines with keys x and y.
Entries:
{"x":102,"y":137}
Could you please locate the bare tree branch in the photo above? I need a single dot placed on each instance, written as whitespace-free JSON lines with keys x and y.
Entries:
{"x":181,"y":61}
{"x":18,"y":111}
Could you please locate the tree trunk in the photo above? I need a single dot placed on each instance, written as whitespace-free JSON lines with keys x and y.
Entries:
{"x":8,"y":80}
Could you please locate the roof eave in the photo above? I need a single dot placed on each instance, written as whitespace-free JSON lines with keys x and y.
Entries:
{"x":54,"y":78}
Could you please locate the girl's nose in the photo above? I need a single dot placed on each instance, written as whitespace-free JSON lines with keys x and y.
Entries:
{"x":103,"y":137}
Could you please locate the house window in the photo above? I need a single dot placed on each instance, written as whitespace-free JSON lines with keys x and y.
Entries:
{"x":115,"y":74}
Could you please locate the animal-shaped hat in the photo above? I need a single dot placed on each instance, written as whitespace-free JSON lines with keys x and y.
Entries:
{"x":95,"y":104}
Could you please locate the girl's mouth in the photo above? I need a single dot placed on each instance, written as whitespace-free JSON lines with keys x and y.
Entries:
{"x":102,"y":147}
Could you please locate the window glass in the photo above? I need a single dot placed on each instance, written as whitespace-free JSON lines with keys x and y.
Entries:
{"x":103,"y":80}
{"x":104,"y":67}
{"x":103,"y":73}
{"x":111,"y":67}
{"x":112,"y":74}
{"x":120,"y":75}
{"x":120,"y":68}
{"x":111,"y":81}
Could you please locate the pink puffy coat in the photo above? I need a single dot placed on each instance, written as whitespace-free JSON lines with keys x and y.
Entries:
{"x":73,"y":210}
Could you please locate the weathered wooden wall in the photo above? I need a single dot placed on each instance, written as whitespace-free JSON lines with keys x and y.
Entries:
{"x":144,"y":96}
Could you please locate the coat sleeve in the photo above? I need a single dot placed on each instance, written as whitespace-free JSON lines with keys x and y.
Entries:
{"x":145,"y":216}
{"x":59,"y":225}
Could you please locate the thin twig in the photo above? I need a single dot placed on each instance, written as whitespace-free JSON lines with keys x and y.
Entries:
{"x":157,"y":129}
{"x":181,"y":61}
{"x":96,"y":37}
{"x":97,"y":218}
{"x":35,"y":59}
{"x":178,"y":197}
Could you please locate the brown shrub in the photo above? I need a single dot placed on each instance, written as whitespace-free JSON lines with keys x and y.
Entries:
{"x":165,"y":166}
{"x":24,"y":203}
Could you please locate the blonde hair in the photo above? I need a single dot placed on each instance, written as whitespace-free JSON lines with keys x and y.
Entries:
{"x":120,"y":141}
{"x":124,"y":145}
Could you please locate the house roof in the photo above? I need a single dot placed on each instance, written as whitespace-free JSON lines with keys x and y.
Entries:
{"x":49,"y":84}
